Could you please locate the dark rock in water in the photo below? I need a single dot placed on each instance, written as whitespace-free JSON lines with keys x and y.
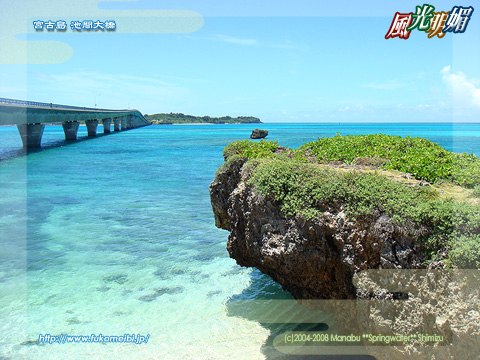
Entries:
{"x":169,"y":291}
{"x":119,"y":279}
{"x":213,"y":293}
{"x":161,"y":273}
{"x":178,"y":271}
{"x":204,"y":257}
{"x":161,"y":291}
{"x":149,"y":297}
{"x":103,"y":288}
{"x":29,"y":343}
{"x":74,"y":321}
{"x":258,"y":134}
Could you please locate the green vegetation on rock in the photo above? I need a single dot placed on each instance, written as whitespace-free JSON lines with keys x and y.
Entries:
{"x":250,"y":149}
{"x":306,"y":188}
{"x":420,"y":157}
{"x":179,"y":118}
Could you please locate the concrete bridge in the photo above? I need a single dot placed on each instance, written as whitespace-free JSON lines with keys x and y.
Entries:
{"x":31,"y":117}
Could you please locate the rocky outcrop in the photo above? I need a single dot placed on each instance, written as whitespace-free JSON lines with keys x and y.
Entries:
{"x":324,"y":258}
{"x":313,"y":259}
{"x":259,"y":134}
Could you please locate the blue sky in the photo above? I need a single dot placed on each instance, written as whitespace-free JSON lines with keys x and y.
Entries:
{"x":283,"y":61}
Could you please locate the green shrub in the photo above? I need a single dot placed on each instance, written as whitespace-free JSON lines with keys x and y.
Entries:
{"x":465,"y":251}
{"x":229,"y":162}
{"x":250,"y":149}
{"x":292,"y":183}
{"x":299,"y":186}
{"x":476,"y":191}
{"x":420,"y":157}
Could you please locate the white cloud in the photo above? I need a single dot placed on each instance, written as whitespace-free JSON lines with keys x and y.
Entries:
{"x":389,"y":85}
{"x":354,"y":108}
{"x":424,"y":106}
{"x":288,"y":45}
{"x":44,"y":77}
{"x":234,"y":40}
{"x":464,"y":91}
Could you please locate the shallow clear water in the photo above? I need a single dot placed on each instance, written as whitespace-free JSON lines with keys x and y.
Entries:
{"x":116,"y":235}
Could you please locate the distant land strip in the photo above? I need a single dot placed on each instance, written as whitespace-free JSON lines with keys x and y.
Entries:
{"x":179,"y":118}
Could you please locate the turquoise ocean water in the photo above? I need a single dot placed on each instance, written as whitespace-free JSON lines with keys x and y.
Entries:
{"x":115,"y":235}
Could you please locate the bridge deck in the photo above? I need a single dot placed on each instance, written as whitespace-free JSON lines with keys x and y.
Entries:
{"x":16,"y":112}
{"x":31,"y":117}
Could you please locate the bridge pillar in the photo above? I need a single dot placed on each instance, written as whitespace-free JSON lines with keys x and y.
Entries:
{"x":106,"y":125}
{"x":124,"y":123}
{"x":92,"y":127}
{"x":116,"y":124}
{"x":129,"y":122}
{"x":31,"y":134}
{"x":70,"y":129}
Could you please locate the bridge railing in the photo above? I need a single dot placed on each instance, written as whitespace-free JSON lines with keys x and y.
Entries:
{"x":50,"y":105}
